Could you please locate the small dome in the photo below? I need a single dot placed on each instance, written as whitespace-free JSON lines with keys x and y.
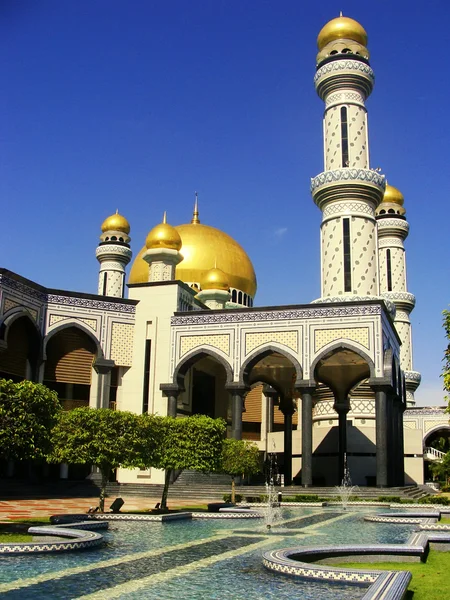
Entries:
{"x":163,"y":236}
{"x":215,"y":279}
{"x":341,"y":28}
{"x":116,"y":223}
{"x":393,"y":195}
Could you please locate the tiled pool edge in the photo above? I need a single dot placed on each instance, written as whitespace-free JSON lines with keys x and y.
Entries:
{"x":81,"y":537}
{"x":383,"y":585}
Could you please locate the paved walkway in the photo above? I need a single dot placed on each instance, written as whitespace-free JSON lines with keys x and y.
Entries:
{"x":24,"y":509}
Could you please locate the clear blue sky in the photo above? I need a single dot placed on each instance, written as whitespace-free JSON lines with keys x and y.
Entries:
{"x":133,"y":105}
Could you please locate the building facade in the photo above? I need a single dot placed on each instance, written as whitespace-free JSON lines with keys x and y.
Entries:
{"x":322,"y":384}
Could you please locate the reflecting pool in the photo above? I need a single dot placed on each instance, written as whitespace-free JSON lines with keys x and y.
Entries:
{"x":193,"y":560}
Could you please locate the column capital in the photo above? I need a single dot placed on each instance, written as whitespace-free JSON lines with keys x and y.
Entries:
{"x":237,"y":388}
{"x":170,"y":389}
{"x":270,"y":391}
{"x":381,"y":384}
{"x":307,"y":386}
{"x":103,"y":366}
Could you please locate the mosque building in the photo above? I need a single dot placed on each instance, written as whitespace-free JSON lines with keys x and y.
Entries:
{"x":322,"y":384}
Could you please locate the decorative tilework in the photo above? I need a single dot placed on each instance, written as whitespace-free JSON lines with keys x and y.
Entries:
{"x":10,"y":304}
{"x":219,"y":341}
{"x":79,"y":539}
{"x":122,"y":344}
{"x":322,"y":337}
{"x":311,"y":312}
{"x":287,"y":338}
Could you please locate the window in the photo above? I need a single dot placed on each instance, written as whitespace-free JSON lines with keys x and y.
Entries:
{"x":388,"y":270}
{"x":344,"y":137}
{"x":148,"y":346}
{"x":347,"y":256}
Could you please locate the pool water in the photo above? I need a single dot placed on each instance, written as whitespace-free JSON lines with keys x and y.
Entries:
{"x":193,"y":560}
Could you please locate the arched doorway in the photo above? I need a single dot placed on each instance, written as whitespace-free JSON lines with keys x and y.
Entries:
{"x":272,"y":368}
{"x":339,"y":371}
{"x":19,"y":360}
{"x":436,"y":443}
{"x":70,"y":353}
{"x":202,"y":378}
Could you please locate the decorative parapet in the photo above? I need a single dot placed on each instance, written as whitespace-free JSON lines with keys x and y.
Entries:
{"x":348,"y":175}
{"x":404,"y":300}
{"x":310,"y":312}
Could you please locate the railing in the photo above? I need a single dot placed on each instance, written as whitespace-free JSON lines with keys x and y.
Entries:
{"x":437,"y":454}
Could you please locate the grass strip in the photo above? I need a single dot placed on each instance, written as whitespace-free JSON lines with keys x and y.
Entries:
{"x":430,"y":581}
{"x":13,"y":538}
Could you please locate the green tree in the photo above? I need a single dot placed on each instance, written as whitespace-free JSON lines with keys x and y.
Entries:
{"x":446,"y":367}
{"x":28,"y":412}
{"x":191,"y":443}
{"x":102,"y":437}
{"x":239,"y":457}
{"x":441,"y":469}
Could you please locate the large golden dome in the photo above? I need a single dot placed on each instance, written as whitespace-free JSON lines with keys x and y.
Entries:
{"x":341,"y":28}
{"x":203,"y":248}
{"x":116,"y":222}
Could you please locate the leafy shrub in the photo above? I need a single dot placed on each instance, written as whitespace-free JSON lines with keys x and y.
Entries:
{"x":253,"y":499}
{"x":435,"y":500}
{"x":389,"y":499}
{"x":445,"y":488}
{"x":227,"y":498}
{"x":306,"y":498}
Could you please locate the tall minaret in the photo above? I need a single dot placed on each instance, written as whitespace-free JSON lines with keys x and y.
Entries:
{"x":348,"y":191}
{"x":393,"y":229}
{"x":113,"y":253}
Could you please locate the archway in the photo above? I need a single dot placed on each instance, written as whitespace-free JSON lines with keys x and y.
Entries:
{"x":19,"y":360}
{"x":436,"y":443}
{"x":201,"y":378}
{"x":70,"y":354}
{"x":339,"y":369}
{"x":276,"y":368}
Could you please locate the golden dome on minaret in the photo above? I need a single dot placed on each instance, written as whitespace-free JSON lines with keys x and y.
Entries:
{"x":204,"y":246}
{"x":393,"y":195}
{"x":341,"y":28}
{"x":163,"y":236}
{"x":116,"y":223}
{"x":215,"y":279}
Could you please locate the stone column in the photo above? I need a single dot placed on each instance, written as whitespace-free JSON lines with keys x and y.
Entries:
{"x":237,"y":407}
{"x":381,"y":414}
{"x":287,"y":408}
{"x":171,"y":391}
{"x":401,"y":444}
{"x":307,"y":437}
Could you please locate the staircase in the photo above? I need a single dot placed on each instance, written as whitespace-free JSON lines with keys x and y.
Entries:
{"x":432,"y":454}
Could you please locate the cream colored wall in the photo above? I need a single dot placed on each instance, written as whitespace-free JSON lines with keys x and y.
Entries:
{"x":152,"y":321}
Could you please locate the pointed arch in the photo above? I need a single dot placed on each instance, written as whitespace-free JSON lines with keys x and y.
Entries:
{"x":262,"y":352}
{"x":189,"y":360}
{"x":13,"y":315}
{"x":336,"y":347}
{"x":66,"y":325}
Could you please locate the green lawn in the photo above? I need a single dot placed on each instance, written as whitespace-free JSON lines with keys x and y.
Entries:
{"x":444,"y":521}
{"x":12,"y":538}
{"x":431,"y":580}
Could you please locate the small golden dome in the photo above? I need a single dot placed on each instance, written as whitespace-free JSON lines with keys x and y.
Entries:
{"x":393,"y":195}
{"x":215,"y":279}
{"x":163,"y":236}
{"x":341,"y":28}
{"x":116,"y":223}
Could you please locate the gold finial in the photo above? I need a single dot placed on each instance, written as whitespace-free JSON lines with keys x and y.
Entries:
{"x":165,"y":217}
{"x":340,"y":13}
{"x":195,"y":219}
{"x":117,"y":211}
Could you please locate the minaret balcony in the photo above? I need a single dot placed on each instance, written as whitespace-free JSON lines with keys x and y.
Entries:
{"x":113,"y":251}
{"x":402,"y":300}
{"x":392,"y":225}
{"x":412,"y":380}
{"x":364,"y":185}
{"x":338,"y":75}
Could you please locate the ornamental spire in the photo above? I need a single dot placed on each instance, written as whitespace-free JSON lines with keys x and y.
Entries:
{"x":195,"y":220}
